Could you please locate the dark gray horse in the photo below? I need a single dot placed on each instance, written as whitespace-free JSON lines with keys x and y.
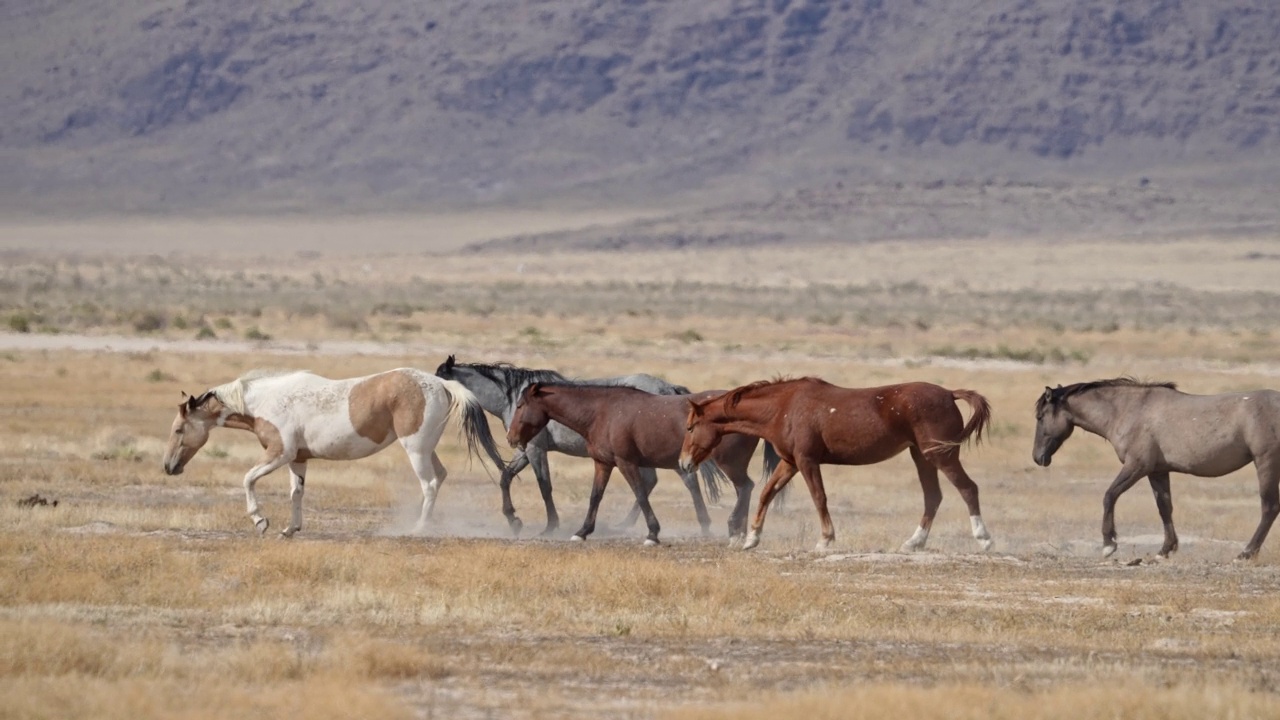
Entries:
{"x":499,"y":386}
{"x":1156,"y":430}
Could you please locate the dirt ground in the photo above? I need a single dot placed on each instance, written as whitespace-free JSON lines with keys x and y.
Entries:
{"x":136,"y":584}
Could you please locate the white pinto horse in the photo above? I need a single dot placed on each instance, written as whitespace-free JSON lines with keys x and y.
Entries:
{"x":299,"y":416}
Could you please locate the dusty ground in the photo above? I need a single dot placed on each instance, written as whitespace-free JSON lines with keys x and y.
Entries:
{"x":138,"y":589}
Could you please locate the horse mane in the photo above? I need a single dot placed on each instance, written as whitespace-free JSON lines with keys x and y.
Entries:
{"x":733,"y":397}
{"x":516,"y":378}
{"x":231,"y":394}
{"x":1060,"y":393}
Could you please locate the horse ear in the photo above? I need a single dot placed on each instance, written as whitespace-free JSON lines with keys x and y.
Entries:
{"x":535,"y":389}
{"x":449,"y":362}
{"x":695,"y":408}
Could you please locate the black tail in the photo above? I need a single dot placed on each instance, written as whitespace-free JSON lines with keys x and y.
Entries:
{"x":475,"y":427}
{"x":712,"y":476}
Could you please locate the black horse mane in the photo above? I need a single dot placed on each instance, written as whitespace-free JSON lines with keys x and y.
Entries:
{"x":1060,"y":393}
{"x":515,"y":378}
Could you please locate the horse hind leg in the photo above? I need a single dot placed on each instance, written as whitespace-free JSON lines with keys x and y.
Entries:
{"x":641,"y":488}
{"x":1164,"y":503}
{"x":431,"y":474}
{"x":1269,"y":492}
{"x":950,"y":465}
{"x":932,"y":499}
{"x":812,"y":473}
{"x":650,"y":477}
{"x":297,"y":484}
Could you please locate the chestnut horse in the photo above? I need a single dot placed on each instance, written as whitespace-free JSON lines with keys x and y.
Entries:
{"x":811,"y":422}
{"x":630,"y":429}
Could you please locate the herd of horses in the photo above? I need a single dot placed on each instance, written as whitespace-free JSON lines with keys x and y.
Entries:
{"x":639,"y":423}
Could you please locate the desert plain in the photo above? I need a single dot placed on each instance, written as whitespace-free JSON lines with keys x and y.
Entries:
{"x":144,"y":595}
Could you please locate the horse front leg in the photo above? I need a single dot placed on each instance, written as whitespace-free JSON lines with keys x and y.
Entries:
{"x":603,"y":470}
{"x":782,"y":475}
{"x":1164,"y":503}
{"x":518,"y":463}
{"x":297,"y":484}
{"x":1125,"y":480}
{"x":250,"y":480}
{"x":542,"y":471}
{"x":1269,"y":492}
{"x":640,"y":488}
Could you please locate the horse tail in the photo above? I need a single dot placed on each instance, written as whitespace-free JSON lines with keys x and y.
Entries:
{"x":981,"y":415}
{"x":771,"y":460}
{"x":475,"y":424}
{"x":712,"y":476}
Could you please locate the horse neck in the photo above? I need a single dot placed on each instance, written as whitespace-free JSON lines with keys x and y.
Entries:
{"x":751,"y":416}
{"x":491,"y":393}
{"x":575,"y":410}
{"x":1099,"y":411}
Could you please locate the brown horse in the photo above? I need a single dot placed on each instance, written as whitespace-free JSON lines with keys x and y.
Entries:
{"x":812,"y":422}
{"x":630,"y":429}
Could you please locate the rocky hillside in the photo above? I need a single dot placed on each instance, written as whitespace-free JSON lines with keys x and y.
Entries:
{"x":319,"y":104}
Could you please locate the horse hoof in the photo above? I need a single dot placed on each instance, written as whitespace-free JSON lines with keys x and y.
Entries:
{"x":986,"y":544}
{"x":516,"y":526}
{"x":1244,"y":557}
{"x":287,"y":533}
{"x":1108,"y":550}
{"x":650,"y":542}
{"x":751,"y":541}
{"x":262,"y":524}
{"x":577,"y":538}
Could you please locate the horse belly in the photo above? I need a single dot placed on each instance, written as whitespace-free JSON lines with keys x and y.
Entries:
{"x":338,"y":445}
{"x":1208,"y":460}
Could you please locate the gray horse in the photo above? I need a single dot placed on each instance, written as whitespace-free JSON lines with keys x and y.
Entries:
{"x":1156,"y":430}
{"x":499,"y":386}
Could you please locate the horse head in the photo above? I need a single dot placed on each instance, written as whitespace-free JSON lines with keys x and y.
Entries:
{"x":701,"y":435}
{"x":1054,"y":425}
{"x":530,"y":416}
{"x":445,"y":370}
{"x":197,"y":415}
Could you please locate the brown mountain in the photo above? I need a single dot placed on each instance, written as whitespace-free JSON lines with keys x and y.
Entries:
{"x":326,"y":105}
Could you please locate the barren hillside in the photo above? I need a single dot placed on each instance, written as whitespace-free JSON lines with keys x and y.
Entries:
{"x":315,"y":104}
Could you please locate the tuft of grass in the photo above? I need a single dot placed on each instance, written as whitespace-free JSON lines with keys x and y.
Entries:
{"x":20,"y":322}
{"x":254,"y":333}
{"x":159,"y":375}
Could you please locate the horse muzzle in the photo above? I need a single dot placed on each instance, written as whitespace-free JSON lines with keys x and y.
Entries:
{"x":173,"y":468}
{"x":1042,"y":459}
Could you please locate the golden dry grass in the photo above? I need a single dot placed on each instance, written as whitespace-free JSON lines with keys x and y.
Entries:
{"x":142,"y":595}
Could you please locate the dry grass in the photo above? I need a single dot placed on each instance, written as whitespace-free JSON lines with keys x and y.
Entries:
{"x":142,"y":595}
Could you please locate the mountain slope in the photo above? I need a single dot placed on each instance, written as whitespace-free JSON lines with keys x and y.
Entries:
{"x":310,"y":104}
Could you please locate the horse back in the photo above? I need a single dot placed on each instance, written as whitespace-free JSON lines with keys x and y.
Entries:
{"x":859,"y":426}
{"x":389,"y":405}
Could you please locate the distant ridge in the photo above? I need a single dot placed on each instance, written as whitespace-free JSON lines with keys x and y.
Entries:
{"x":306,"y":105}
